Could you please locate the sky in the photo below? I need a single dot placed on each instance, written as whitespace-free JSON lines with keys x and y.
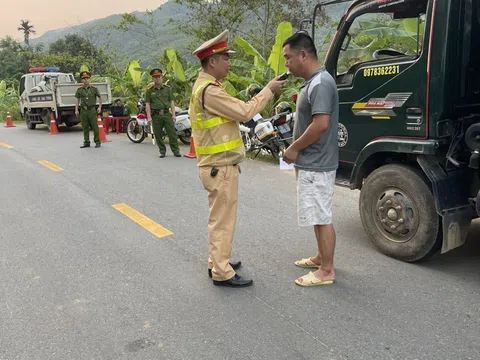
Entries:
{"x":47,"y":15}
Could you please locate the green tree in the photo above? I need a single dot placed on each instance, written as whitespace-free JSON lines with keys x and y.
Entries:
{"x":254,"y":20}
{"x":13,"y":59}
{"x":81,"y":52}
{"x":27,"y":30}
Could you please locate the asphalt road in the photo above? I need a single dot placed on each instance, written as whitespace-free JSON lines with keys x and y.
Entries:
{"x":80,"y":280}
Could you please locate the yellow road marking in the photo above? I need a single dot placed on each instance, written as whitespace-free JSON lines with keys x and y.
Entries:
{"x":49,"y":165}
{"x":6,"y":146}
{"x":148,"y":224}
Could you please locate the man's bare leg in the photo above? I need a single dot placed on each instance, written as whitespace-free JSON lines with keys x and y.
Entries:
{"x":326,"y":240}
{"x":318,"y":258}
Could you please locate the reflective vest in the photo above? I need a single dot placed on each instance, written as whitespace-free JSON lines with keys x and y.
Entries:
{"x":217,"y":140}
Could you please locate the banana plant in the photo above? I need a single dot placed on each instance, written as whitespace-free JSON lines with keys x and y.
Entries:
{"x":175,"y":64}
{"x":8,"y":101}
{"x":276,"y":59}
{"x":131,"y":84}
{"x":262,"y":71}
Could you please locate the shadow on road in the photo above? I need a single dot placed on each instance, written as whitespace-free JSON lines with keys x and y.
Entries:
{"x":61,"y":129}
{"x":463,"y":261}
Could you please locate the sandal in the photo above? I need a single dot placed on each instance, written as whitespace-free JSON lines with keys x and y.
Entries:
{"x":312,"y":280}
{"x":307,"y":263}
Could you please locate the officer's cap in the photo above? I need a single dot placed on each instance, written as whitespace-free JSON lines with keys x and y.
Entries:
{"x":156,"y":72}
{"x":84,"y":74}
{"x":217,"y":45}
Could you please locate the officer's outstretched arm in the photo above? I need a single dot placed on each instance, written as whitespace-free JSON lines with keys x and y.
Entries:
{"x":219,"y":102}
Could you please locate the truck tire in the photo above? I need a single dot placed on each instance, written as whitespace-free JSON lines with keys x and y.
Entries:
{"x":30,"y":125}
{"x":398,"y":212}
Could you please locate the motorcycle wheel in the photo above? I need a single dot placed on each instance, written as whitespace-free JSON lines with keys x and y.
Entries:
{"x":186,"y":137}
{"x":247,"y":142}
{"x":135,"y":132}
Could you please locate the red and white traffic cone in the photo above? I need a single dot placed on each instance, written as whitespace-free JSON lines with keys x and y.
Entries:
{"x":101,"y":130}
{"x":8,"y":121}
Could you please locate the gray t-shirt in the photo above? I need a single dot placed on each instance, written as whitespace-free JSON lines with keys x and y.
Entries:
{"x":318,"y":95}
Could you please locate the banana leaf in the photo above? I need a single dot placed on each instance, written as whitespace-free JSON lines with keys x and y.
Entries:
{"x":382,"y":32}
{"x":276,"y":59}
{"x":242,"y":64}
{"x":410,"y":25}
{"x":229,"y":88}
{"x":242,"y":80}
{"x":192,"y":72}
{"x":175,"y":65}
{"x":3,"y":88}
{"x":259,"y":61}
{"x":135,"y":75}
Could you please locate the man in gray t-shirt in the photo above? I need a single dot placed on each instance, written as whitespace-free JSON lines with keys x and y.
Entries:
{"x":318,"y":95}
{"x":314,"y":152}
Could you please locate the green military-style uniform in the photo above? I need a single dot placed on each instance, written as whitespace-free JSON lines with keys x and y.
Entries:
{"x":159,"y":99}
{"x":87,"y":98}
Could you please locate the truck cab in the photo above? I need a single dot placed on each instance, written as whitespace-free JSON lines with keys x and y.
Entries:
{"x":408,"y":78}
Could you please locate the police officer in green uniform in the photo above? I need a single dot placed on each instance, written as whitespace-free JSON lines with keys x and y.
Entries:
{"x":86,"y":98}
{"x":159,"y":99}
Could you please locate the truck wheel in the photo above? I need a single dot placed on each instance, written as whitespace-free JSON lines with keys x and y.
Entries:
{"x":30,"y":125}
{"x":398,"y":212}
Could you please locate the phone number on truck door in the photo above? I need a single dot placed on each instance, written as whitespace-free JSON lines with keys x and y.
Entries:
{"x":381,"y":71}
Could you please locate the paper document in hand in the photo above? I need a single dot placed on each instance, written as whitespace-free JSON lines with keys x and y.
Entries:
{"x":285,"y":166}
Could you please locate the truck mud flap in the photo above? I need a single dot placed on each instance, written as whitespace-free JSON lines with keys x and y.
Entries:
{"x":452,"y":200}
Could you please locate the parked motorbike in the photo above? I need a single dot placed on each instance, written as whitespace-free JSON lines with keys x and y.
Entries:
{"x":138,"y":128}
{"x":271,"y":136}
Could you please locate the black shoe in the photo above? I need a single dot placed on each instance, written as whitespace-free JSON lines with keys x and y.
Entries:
{"x":177,"y":155}
{"x":84,"y":146}
{"x":236,"y":281}
{"x":162,"y":155}
{"x":234,"y":265}
{"x":97,"y":145}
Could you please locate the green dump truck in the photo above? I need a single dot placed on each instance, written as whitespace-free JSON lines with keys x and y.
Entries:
{"x":408,"y":77}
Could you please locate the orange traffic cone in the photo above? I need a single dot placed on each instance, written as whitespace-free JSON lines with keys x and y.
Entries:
{"x":101,"y":130}
{"x":192,"y":154}
{"x":9,"y":122}
{"x":53,"y":125}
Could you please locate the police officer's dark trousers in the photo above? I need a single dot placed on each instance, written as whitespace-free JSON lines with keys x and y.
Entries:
{"x":88,"y":119}
{"x":165,"y":121}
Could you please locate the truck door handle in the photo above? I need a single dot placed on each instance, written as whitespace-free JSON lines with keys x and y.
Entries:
{"x":414,"y":116}
{"x":414,"y":111}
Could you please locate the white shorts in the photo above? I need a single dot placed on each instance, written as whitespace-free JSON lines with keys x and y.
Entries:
{"x":314,"y":197}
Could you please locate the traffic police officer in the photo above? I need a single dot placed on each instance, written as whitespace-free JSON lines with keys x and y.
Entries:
{"x":158,"y":99}
{"x":215,"y":117}
{"x":86,"y":97}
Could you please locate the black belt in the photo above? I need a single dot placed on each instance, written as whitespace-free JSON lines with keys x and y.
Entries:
{"x":159,"y":111}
